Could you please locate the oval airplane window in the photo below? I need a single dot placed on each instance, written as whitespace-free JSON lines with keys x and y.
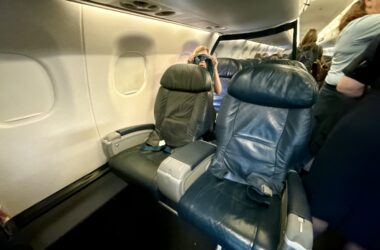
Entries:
{"x":129,"y":73}
{"x":26,"y":90}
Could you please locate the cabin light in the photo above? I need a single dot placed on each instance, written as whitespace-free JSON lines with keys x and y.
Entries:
{"x":216,"y":27}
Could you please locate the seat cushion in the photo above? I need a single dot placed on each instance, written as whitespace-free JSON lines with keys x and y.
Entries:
{"x":138,"y":167}
{"x":222,"y":209}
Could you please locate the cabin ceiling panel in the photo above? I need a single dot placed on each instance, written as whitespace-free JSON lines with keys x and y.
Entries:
{"x":223,"y":16}
{"x":282,"y":40}
{"x":319,"y":14}
{"x":239,"y":16}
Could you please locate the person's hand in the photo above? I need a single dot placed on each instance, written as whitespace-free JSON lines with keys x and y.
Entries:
{"x":214,"y":61}
{"x":191,"y":59}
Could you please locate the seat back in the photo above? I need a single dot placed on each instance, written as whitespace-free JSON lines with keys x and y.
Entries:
{"x":286,"y":62}
{"x":263,"y":126}
{"x":227,"y":68}
{"x":252,"y":62}
{"x":183,"y":109}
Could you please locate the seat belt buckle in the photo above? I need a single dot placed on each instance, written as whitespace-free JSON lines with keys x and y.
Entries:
{"x":161,"y":143}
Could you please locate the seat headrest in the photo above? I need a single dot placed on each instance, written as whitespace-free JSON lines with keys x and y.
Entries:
{"x":254,"y":61}
{"x":274,"y":85}
{"x":186,"y":77}
{"x":227,"y":67}
{"x":286,"y":62}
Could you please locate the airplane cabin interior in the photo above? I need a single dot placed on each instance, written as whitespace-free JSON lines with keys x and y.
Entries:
{"x":109,"y":138}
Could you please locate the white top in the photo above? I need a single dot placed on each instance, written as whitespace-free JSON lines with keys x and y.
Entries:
{"x":352,"y":41}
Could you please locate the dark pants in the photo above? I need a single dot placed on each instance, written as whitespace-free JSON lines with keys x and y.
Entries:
{"x":329,"y":108}
{"x":343,"y":182}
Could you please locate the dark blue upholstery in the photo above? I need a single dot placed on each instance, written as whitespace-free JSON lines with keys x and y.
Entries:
{"x":286,"y":62}
{"x":252,"y":62}
{"x":264,"y":125}
{"x":262,"y":131}
{"x":282,"y":88}
{"x":222,"y":210}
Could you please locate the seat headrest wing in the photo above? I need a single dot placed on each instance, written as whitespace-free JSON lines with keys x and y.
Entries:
{"x":186,"y":77}
{"x":286,"y":62}
{"x":227,"y":67}
{"x":275,"y":85}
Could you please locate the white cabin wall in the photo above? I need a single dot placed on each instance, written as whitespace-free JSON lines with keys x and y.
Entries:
{"x":108,"y":36}
{"x":58,"y":102}
{"x":42,"y":153}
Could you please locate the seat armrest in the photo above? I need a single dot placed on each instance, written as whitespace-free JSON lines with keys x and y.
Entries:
{"x":297,"y":200}
{"x":299,"y":230}
{"x":193,"y":153}
{"x":122,"y":139}
{"x":129,"y":130}
{"x":177,"y":172}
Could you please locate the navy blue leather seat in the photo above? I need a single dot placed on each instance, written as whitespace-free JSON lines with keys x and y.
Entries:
{"x":286,"y":62}
{"x":262,"y":131}
{"x":251,"y":62}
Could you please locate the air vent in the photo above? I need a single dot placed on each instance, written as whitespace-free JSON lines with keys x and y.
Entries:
{"x":147,"y":7}
{"x":153,"y":7}
{"x":141,"y":6}
{"x":165,"y":13}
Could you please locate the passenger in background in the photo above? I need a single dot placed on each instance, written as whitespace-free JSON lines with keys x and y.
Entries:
{"x":201,"y":56}
{"x":308,"y":51}
{"x":286,"y":56}
{"x":319,"y":71}
{"x":342,"y":185}
{"x":274,"y":57}
{"x":357,"y":30}
{"x":258,"y":56}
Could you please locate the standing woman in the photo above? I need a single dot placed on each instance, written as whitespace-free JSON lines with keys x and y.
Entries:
{"x":308,"y":51}
{"x":358,"y":27}
{"x":201,"y":56}
{"x":342,"y":185}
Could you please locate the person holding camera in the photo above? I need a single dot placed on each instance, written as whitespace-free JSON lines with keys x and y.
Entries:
{"x":201,"y":56}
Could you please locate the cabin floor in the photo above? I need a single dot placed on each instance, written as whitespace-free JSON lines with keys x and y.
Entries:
{"x":133,"y":220}
{"x":145,"y":224}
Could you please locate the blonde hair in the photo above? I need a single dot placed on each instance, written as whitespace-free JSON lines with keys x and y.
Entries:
{"x":199,"y":49}
{"x":310,"y":37}
{"x":358,"y":9}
